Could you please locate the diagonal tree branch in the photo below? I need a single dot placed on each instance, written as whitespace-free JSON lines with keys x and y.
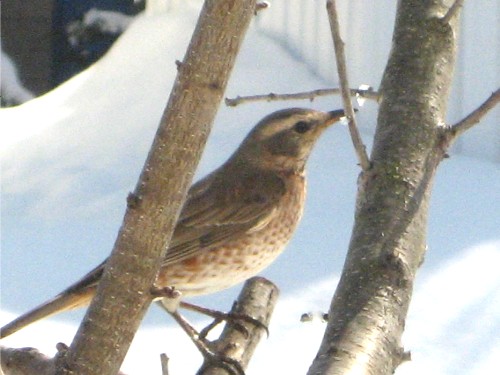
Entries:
{"x":475,"y":116}
{"x":360,"y":148}
{"x":105,"y":334}
{"x":452,"y":11}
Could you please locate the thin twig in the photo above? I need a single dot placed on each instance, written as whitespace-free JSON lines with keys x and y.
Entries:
{"x":164,"y":363}
{"x":452,"y":11}
{"x":360,"y":148}
{"x":261,"y":6}
{"x":475,"y":116}
{"x":309,"y":95}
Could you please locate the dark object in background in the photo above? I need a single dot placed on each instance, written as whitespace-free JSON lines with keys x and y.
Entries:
{"x":77,"y":42}
{"x":42,"y":54}
{"x":26,"y":38}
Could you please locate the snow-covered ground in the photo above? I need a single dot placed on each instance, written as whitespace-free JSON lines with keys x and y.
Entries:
{"x":70,"y":157}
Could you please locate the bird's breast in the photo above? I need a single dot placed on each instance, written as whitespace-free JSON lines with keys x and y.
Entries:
{"x":244,"y":257}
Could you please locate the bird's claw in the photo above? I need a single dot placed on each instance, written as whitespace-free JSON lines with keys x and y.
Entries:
{"x":165,"y":292}
{"x":233,"y":319}
{"x":205,"y":331}
{"x":212,"y":359}
{"x":229,"y":317}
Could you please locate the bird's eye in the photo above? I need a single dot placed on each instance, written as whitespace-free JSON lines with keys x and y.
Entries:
{"x":301,"y":127}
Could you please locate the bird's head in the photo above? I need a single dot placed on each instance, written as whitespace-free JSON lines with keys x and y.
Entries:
{"x":283,"y":140}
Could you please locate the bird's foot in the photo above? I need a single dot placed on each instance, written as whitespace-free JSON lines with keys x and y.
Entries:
{"x":220,"y":316}
{"x":211,"y":358}
{"x":170,"y":298}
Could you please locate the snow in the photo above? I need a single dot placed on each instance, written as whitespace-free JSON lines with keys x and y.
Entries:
{"x":106,"y":21}
{"x":70,"y":157}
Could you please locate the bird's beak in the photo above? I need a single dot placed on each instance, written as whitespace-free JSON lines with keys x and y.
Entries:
{"x":335,"y":116}
{"x":329,"y":118}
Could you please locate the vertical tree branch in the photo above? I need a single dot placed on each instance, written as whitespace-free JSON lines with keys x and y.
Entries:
{"x":123,"y":295}
{"x":368,"y":311}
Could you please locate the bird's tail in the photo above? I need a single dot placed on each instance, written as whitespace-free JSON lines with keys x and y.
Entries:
{"x":77,"y":295}
{"x":61,"y":302}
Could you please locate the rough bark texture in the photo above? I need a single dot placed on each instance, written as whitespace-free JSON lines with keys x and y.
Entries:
{"x":123,"y":295}
{"x":388,"y":243}
{"x":257,"y":300}
{"x":25,"y":361}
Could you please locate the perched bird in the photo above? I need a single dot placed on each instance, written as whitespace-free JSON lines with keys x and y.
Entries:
{"x":235,"y":221}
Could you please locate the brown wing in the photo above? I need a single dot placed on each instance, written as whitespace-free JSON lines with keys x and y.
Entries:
{"x":220,"y":208}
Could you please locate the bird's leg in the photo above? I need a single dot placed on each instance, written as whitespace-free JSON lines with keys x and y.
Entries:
{"x":170,"y":298}
{"x":193,"y":334}
{"x":211,"y":357}
{"x":170,"y":303}
{"x":220,"y":316}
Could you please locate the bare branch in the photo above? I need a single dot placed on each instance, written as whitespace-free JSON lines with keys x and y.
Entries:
{"x":238,"y":341}
{"x":27,"y":361}
{"x":388,"y":243}
{"x":360,"y":148}
{"x":164,"y":364}
{"x":261,"y":6}
{"x":475,"y":116}
{"x":309,"y":95}
{"x":452,"y":11}
{"x":102,"y":339}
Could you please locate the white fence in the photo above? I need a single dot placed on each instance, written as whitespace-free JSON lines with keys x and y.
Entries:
{"x":302,"y":27}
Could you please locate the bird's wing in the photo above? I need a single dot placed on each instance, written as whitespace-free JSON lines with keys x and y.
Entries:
{"x":217,"y":211}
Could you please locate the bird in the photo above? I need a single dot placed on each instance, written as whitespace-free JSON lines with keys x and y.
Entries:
{"x":235,"y":221}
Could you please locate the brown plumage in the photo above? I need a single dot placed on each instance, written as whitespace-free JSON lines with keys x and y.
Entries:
{"x":235,"y":221}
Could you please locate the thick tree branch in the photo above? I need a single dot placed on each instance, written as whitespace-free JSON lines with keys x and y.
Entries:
{"x":475,"y":116}
{"x":123,"y":294}
{"x":257,"y":300}
{"x":368,"y":311}
{"x":27,"y":361}
{"x":309,"y":95}
{"x":360,"y":148}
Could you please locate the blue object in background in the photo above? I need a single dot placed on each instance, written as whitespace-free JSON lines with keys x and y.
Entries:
{"x":77,"y":45}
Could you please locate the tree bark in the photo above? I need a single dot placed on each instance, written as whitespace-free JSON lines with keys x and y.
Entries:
{"x":388,"y":243}
{"x":25,"y":361}
{"x":257,"y":300}
{"x":123,"y":295}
